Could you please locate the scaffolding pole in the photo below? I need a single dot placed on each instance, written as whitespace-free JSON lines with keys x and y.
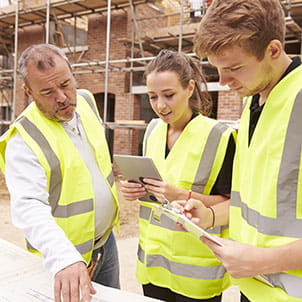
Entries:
{"x":180,"y":26}
{"x":136,"y":28}
{"x":13,"y":112}
{"x":47,"y":22}
{"x":107,"y":59}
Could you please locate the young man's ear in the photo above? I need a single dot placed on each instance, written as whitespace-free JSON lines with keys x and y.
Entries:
{"x":275,"y":49}
{"x":27,"y":90}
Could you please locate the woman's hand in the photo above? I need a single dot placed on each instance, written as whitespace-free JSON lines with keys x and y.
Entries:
{"x":196,"y":211}
{"x":161,"y":189}
{"x":132,"y":190}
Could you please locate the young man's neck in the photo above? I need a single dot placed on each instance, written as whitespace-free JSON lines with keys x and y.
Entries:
{"x":281,"y":67}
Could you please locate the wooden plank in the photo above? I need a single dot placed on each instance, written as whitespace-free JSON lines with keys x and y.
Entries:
{"x":131,"y":122}
{"x":172,"y":30}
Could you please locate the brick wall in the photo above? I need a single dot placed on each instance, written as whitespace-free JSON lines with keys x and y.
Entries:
{"x":127,"y":106}
{"x":229,"y":105}
{"x":30,"y":3}
{"x":145,"y":23}
{"x":27,"y":36}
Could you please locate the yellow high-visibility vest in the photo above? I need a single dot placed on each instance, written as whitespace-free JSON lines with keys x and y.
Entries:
{"x":70,"y":188}
{"x":168,"y":257}
{"x":266,"y":203}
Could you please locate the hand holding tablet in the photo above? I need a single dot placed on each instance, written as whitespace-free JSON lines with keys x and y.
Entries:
{"x":136,"y":168}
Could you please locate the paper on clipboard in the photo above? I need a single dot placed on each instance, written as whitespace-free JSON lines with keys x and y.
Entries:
{"x":264,"y":279}
{"x":177,"y":216}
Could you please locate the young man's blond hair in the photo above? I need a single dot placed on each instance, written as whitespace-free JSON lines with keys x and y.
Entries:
{"x":250,"y":24}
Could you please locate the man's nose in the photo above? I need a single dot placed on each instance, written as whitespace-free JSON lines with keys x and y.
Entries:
{"x":224,"y":78}
{"x":60,"y":95}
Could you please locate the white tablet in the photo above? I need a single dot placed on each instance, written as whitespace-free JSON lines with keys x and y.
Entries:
{"x":177,"y":216}
{"x":136,"y":168}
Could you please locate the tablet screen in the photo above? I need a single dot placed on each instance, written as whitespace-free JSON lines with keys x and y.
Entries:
{"x":136,"y":168}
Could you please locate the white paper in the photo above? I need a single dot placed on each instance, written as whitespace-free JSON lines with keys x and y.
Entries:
{"x":15,"y":261}
{"x":23,"y":278}
{"x":179,"y":217}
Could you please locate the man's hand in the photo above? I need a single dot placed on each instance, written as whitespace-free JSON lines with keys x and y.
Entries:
{"x":241,"y":260}
{"x":73,"y":283}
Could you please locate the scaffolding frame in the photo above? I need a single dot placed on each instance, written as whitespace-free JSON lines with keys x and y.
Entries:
{"x":179,"y":36}
{"x":20,"y":18}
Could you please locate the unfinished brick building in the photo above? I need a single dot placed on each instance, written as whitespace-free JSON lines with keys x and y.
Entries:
{"x":113,"y":70}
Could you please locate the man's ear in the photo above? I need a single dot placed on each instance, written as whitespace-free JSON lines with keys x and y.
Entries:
{"x":27,"y":90}
{"x":274,"y":49}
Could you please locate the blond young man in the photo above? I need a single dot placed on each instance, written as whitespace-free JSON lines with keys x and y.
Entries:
{"x":244,"y":40}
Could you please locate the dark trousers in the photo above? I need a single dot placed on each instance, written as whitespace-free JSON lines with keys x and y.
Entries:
{"x":166,"y":294}
{"x":243,"y":298}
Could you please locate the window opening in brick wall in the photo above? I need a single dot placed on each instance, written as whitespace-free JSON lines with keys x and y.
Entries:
{"x":214,"y":97}
{"x":99,"y":98}
{"x":6,"y":112}
{"x":146,"y":114}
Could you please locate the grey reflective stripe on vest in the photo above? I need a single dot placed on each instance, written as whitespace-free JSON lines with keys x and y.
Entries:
{"x":85,"y":247}
{"x":180,"y":269}
{"x":279,"y":226}
{"x":82,"y":248}
{"x":201,"y":177}
{"x":245,"y":100}
{"x":110,"y":178}
{"x":88,"y":99}
{"x":208,"y":157}
{"x":286,"y":222}
{"x":291,"y":284}
{"x":269,"y":226}
{"x":73,"y":209}
{"x":150,"y":128}
{"x":141,"y":254}
{"x":55,"y":184}
{"x":288,"y":183}
{"x":146,"y":213}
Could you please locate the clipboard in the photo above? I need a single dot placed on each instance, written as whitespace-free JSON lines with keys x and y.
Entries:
{"x":264,"y":279}
{"x":136,"y":168}
{"x":177,"y":216}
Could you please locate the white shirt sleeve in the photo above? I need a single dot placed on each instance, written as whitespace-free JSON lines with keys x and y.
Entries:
{"x":27,"y":184}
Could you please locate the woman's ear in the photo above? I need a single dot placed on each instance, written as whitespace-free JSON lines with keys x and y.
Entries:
{"x":191,"y":87}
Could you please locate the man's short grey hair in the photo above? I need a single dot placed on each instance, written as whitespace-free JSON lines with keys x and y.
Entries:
{"x":42,"y":56}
